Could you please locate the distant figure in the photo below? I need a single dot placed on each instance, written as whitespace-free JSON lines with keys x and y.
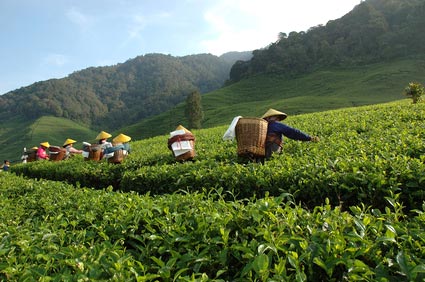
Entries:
{"x":29,"y":156}
{"x":182,"y":144}
{"x":70,"y":150}
{"x":102,"y":138}
{"x":276,"y":130}
{"x":24,"y":156}
{"x":120,"y":149}
{"x":6,"y":165}
{"x":41,"y":151}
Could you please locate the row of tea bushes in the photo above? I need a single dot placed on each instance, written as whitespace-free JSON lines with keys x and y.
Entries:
{"x":365,"y":154}
{"x":52,"y":231}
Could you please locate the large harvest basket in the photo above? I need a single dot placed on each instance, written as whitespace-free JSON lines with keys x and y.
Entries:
{"x":94,"y":152}
{"x":56,"y":153}
{"x":32,"y":155}
{"x":117,"y":158}
{"x":251,"y":137}
{"x":177,"y":139}
{"x":188,"y":155}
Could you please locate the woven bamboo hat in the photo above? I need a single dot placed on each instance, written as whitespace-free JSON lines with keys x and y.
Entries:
{"x":68,"y":141}
{"x":34,"y":148}
{"x":181,"y":127}
{"x":103,"y":135}
{"x":273,"y":112}
{"x":45,"y":144}
{"x":121,"y":138}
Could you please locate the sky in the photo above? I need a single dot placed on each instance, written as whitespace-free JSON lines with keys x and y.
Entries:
{"x":45,"y":39}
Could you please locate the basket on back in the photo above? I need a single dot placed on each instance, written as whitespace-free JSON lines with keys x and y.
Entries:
{"x":182,"y":144}
{"x":251,"y":137}
{"x":56,"y":153}
{"x":92,"y":152}
{"x":117,"y":158}
{"x":32,"y":155}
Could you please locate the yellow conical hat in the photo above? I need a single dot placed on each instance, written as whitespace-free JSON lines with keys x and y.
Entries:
{"x":103,"y":135}
{"x":181,"y":127}
{"x":121,"y":138}
{"x":34,"y":148}
{"x":273,"y":112}
{"x":45,"y":144}
{"x":69,"y":141}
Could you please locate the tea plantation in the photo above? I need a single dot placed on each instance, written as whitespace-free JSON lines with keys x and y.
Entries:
{"x":349,"y":208}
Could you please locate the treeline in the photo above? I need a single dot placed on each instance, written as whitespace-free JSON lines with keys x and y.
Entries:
{"x":117,"y":95}
{"x":374,"y":30}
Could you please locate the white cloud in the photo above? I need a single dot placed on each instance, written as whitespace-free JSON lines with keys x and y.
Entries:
{"x":56,"y":60}
{"x":139,"y":23}
{"x":80,"y":19}
{"x":240,"y":25}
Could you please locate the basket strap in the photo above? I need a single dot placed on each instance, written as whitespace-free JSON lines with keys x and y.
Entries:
{"x":274,"y":138}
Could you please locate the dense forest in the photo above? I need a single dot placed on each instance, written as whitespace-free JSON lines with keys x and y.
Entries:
{"x":375,"y":30}
{"x":124,"y":93}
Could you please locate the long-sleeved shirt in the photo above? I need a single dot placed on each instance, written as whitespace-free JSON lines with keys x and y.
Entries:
{"x":71,"y":150}
{"x":41,"y":153}
{"x":278,"y":129}
{"x":125,"y":146}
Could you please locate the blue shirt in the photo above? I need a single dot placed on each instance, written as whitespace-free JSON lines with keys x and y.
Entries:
{"x":124,"y":146}
{"x":280,"y":129}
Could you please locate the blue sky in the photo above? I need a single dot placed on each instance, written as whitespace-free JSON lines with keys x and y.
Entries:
{"x":44,"y":39}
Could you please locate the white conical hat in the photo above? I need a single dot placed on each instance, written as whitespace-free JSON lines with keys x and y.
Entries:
{"x":273,"y":112}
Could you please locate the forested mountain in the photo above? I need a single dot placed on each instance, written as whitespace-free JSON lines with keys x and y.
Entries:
{"x":375,"y":30}
{"x":117,"y":95}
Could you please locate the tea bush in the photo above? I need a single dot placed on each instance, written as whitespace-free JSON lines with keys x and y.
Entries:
{"x":53,"y":231}
{"x":365,"y":154}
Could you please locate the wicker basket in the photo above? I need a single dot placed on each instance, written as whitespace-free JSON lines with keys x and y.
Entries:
{"x":251,"y":137}
{"x":183,"y":137}
{"x":56,"y":153}
{"x":95,"y":152}
{"x":117,"y":158}
{"x":32,"y":156}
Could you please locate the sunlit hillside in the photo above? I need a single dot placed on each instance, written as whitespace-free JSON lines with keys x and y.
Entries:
{"x":319,"y":91}
{"x":21,"y":133}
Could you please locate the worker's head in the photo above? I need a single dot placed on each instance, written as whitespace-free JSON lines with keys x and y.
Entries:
{"x":45,"y":144}
{"x":103,"y":135}
{"x":121,"y":138}
{"x":272,"y":114}
{"x":68,"y":142}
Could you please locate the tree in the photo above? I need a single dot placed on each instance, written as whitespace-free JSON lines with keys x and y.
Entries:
{"x":414,"y":91}
{"x":194,"y":111}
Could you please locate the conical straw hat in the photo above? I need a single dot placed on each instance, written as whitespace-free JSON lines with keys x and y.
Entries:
{"x":69,"y":141}
{"x":273,"y":112}
{"x":103,"y":135}
{"x":181,"y":127}
{"x":121,"y":138}
{"x":45,"y":144}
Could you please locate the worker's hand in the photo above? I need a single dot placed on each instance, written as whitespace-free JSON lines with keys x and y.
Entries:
{"x":315,"y":139}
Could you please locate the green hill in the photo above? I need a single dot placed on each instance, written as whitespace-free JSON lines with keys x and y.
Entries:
{"x":322,"y":90}
{"x":326,"y":89}
{"x":127,"y":92}
{"x":19,"y":133}
{"x":374,"y":31}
